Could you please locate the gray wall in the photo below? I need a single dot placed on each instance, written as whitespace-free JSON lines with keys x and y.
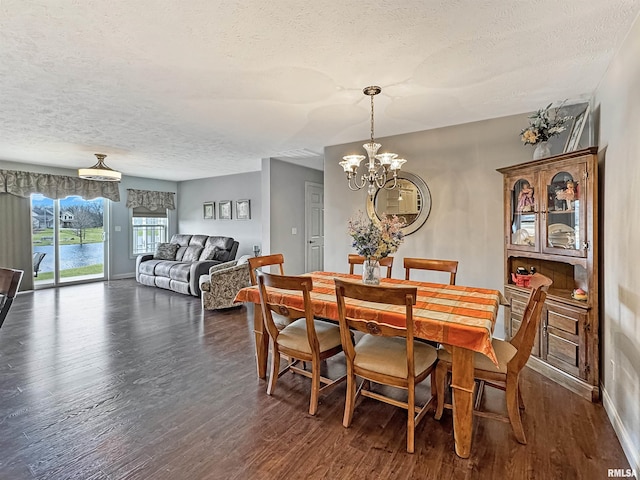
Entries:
{"x":459,"y":165}
{"x":617,"y":107}
{"x":193,"y":193}
{"x":121,"y":263}
{"x":287,"y":210}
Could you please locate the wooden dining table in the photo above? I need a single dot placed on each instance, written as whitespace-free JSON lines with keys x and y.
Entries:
{"x":461,"y":318}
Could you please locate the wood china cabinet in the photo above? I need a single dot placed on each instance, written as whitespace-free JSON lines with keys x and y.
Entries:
{"x":550,"y":225}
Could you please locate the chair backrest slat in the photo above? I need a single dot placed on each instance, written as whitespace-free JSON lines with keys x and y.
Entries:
{"x":450,"y":266}
{"x":359,"y":260}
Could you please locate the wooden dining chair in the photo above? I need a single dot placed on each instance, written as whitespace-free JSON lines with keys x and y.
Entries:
{"x":512,"y":357}
{"x":450,"y":266}
{"x":9,"y":283}
{"x":386,"y":354}
{"x":305,"y":339}
{"x":359,"y":260}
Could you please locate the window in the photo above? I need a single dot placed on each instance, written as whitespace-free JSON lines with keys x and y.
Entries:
{"x":149,"y":228}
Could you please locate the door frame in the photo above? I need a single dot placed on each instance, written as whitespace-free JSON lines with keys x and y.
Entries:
{"x":57,"y":282}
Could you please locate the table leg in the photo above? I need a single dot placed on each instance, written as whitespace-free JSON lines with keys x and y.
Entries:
{"x":262,"y":341}
{"x":462,"y":387}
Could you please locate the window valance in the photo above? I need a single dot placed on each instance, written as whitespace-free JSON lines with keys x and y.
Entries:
{"x":23,"y":184}
{"x":150,"y":199}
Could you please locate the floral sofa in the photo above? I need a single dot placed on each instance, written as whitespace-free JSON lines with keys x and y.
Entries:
{"x":179,"y":264}
{"x":223,"y":282}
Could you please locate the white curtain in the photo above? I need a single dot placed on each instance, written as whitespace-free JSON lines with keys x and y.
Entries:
{"x":23,"y":184}
{"x":150,"y":199}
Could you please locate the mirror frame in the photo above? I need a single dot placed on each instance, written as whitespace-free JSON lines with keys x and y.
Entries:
{"x":422,"y":187}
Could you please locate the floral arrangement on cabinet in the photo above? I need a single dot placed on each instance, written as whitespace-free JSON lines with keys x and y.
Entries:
{"x":375,"y":240}
{"x":543,"y":125}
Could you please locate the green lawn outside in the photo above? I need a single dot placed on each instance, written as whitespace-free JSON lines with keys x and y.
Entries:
{"x":72,"y":272}
{"x":68,"y":236}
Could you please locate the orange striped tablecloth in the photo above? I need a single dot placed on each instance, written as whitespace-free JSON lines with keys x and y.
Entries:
{"x":448,"y":314}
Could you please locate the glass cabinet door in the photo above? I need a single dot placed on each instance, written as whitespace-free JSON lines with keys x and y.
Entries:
{"x":523,"y":209}
{"x":563,"y":226}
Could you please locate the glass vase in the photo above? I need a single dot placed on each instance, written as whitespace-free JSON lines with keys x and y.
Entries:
{"x":543,"y":150}
{"x":371,"y":271}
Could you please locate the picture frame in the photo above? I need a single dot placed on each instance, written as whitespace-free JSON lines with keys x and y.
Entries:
{"x":243,"y":209}
{"x":573,"y":141}
{"x":224,"y":210}
{"x":209,"y":210}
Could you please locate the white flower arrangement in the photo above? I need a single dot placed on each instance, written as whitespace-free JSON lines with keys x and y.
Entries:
{"x":375,"y":240}
{"x":544,"y":124}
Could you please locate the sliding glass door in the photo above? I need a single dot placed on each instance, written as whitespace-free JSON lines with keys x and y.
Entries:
{"x":68,"y":239}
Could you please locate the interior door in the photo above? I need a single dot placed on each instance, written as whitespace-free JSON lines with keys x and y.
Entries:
{"x":314,"y":227}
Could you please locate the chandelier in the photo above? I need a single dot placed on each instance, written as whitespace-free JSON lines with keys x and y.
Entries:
{"x":381,"y":166}
{"x":100,"y":172}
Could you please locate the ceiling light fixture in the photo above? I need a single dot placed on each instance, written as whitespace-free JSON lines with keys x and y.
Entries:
{"x":380,"y":165}
{"x":100,"y":172}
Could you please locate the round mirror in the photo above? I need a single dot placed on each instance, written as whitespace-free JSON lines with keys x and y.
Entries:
{"x":410,"y":200}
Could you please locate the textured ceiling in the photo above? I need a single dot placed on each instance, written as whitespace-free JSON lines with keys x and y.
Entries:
{"x":176,"y":89}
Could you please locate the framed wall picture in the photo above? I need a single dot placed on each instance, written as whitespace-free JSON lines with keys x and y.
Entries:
{"x":576,"y":130}
{"x":224,"y":209}
{"x":209,"y":210}
{"x":243,"y":209}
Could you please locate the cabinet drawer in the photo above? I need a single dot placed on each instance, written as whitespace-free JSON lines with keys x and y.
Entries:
{"x":562,"y":319}
{"x":517,"y":302}
{"x":518,"y":305}
{"x":563,"y":354}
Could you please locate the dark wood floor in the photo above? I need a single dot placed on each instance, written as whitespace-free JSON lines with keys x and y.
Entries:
{"x":115,"y":380}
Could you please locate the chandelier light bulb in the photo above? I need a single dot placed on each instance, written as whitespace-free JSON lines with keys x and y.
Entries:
{"x":396,"y":164}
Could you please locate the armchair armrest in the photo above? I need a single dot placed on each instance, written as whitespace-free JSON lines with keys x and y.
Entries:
{"x":224,"y":285}
{"x":222,"y":266}
{"x":235,"y":275}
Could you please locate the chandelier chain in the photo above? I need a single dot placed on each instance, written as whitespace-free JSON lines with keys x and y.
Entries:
{"x":372,"y":119}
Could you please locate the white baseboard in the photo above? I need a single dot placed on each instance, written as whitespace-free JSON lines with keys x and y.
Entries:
{"x":122,"y":276}
{"x":631,"y":451}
